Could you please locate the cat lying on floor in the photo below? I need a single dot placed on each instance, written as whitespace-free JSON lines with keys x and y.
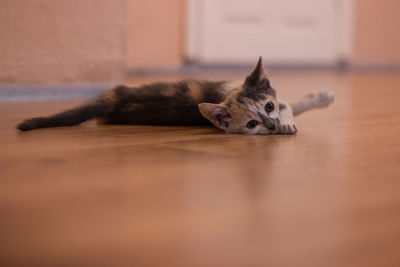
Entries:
{"x":251,"y":108}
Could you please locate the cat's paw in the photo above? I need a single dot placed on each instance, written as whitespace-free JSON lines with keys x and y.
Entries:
{"x":287,"y":129}
{"x":324,"y":98}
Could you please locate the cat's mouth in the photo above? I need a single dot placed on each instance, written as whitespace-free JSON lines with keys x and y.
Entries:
{"x":275,"y":131}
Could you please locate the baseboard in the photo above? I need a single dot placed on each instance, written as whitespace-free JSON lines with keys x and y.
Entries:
{"x":40,"y":92}
{"x":199,"y":68}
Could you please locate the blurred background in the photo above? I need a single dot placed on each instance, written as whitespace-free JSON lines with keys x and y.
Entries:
{"x":75,"y":41}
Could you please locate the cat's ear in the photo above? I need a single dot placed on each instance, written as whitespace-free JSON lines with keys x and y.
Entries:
{"x":217,"y":114}
{"x":257,"y":75}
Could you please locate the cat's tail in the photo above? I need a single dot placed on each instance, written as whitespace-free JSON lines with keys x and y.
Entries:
{"x":319,"y":100}
{"x":92,"y":109}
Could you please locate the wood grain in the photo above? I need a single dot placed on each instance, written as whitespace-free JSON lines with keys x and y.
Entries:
{"x":192,"y":196}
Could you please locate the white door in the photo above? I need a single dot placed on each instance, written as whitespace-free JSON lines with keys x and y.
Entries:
{"x":282,"y":31}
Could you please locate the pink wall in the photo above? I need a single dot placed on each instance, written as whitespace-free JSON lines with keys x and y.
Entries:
{"x":58,"y":41}
{"x":376,"y":32}
{"x":61,"y":41}
{"x":154,"y":34}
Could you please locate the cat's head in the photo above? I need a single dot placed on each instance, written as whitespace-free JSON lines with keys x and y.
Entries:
{"x":251,"y":108}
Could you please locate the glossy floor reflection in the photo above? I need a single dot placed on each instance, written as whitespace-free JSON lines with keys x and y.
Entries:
{"x":191,"y":196}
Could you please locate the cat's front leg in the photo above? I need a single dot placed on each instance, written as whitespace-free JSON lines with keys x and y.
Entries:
{"x":287,"y":125}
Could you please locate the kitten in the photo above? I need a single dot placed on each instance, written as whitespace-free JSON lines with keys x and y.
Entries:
{"x":251,"y":108}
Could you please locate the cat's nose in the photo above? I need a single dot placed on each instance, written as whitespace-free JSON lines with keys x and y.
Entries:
{"x":274,"y":125}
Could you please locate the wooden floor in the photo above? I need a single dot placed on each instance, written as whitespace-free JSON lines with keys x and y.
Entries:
{"x":187,"y":196}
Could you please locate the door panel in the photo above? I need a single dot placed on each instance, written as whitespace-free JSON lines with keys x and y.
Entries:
{"x":282,"y":31}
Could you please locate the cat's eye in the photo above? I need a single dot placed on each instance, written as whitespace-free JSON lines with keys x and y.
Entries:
{"x":252,"y":124}
{"x":269,"y":107}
